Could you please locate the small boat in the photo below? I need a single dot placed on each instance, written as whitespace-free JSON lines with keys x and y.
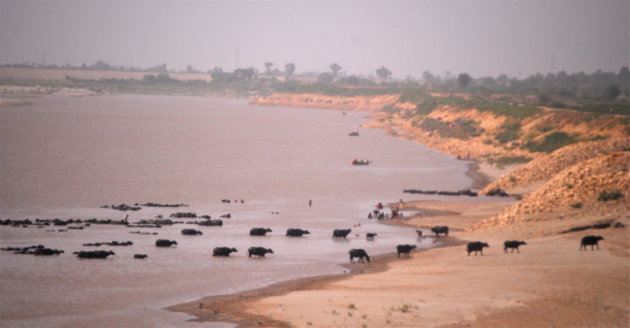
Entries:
{"x":360,"y":162}
{"x":354,"y":133}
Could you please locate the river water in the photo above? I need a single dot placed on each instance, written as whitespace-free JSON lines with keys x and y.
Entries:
{"x":64,"y":157}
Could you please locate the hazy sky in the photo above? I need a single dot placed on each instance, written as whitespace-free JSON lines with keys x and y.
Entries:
{"x":478,"y":37}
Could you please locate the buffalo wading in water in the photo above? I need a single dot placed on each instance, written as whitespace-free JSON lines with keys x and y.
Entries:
{"x":291,"y":232}
{"x":358,"y":253}
{"x":370,"y":235}
{"x":94,"y":254}
{"x":258,"y":251}
{"x":405,"y":249}
{"x":223,"y":251}
{"x":440,"y":230}
{"x":165,"y":243}
{"x":341,"y":233}
{"x":259,"y":231}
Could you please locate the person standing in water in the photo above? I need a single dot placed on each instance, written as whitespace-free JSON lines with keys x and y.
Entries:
{"x":310,"y":202}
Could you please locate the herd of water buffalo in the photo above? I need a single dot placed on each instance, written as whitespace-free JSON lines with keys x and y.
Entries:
{"x":402,"y":250}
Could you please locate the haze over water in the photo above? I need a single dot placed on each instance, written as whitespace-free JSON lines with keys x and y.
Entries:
{"x":64,"y":157}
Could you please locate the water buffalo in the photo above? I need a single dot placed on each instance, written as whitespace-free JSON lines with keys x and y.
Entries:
{"x":405,"y":249}
{"x":370,"y":235}
{"x":360,"y":253}
{"x":223,"y":251}
{"x":590,"y":240}
{"x":140,"y":256}
{"x":296,"y":232}
{"x":165,"y":243}
{"x":513,"y":244}
{"x":94,"y":254}
{"x":191,"y":232}
{"x":258,"y":251}
{"x":440,"y":229}
{"x":211,"y":223}
{"x":259,"y":231}
{"x":476,"y":246}
{"x":341,"y":233}
{"x":46,"y":251}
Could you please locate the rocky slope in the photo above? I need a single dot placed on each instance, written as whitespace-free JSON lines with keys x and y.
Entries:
{"x":546,"y":167}
{"x":576,"y":190}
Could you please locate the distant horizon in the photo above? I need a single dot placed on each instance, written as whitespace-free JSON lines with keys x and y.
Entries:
{"x":480,"y":38}
{"x":128,"y":68}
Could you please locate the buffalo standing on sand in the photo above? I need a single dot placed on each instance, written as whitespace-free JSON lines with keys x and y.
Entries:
{"x":590,"y":240}
{"x":165,"y":243}
{"x":476,"y":246}
{"x":258,"y":251}
{"x":341,"y":233}
{"x":405,"y":249}
{"x":223,"y":251}
{"x":259,"y":231}
{"x":296,"y":232}
{"x":513,"y":244}
{"x":360,"y":253}
{"x":440,"y":229}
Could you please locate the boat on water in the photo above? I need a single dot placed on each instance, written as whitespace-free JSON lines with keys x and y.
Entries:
{"x":360,"y":162}
{"x":354,"y":133}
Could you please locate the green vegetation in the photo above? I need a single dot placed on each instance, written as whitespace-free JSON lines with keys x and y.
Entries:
{"x":551,"y":142}
{"x":460,"y":129}
{"x":510,"y":132}
{"x":605,"y":196}
{"x":503,"y":161}
{"x":576,"y":205}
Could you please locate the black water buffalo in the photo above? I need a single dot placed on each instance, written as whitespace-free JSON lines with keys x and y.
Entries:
{"x":191,"y":232}
{"x":360,"y":253}
{"x":165,"y":243}
{"x":440,"y":229}
{"x":405,"y":249}
{"x":140,"y":256}
{"x":46,"y":251}
{"x":94,"y":254}
{"x":370,"y":235}
{"x":258,"y":251}
{"x":513,"y":244}
{"x":341,"y":233}
{"x":259,"y":231}
{"x":476,"y":246}
{"x":296,"y":232}
{"x":590,"y":240}
{"x":211,"y":223}
{"x":223,"y":251}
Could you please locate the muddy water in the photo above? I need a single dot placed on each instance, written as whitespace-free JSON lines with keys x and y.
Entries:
{"x":65,"y":157}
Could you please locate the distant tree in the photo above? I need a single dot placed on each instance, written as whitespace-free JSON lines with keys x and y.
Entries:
{"x":335,"y":68}
{"x":463,"y":80}
{"x":268,"y":66}
{"x":383,"y":73}
{"x":325,"y":77}
{"x":427,"y":76}
{"x":612,"y":92}
{"x":289,"y":69}
{"x":191,"y":70}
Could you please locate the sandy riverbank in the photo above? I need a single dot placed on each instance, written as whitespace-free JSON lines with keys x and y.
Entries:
{"x":550,"y":283}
